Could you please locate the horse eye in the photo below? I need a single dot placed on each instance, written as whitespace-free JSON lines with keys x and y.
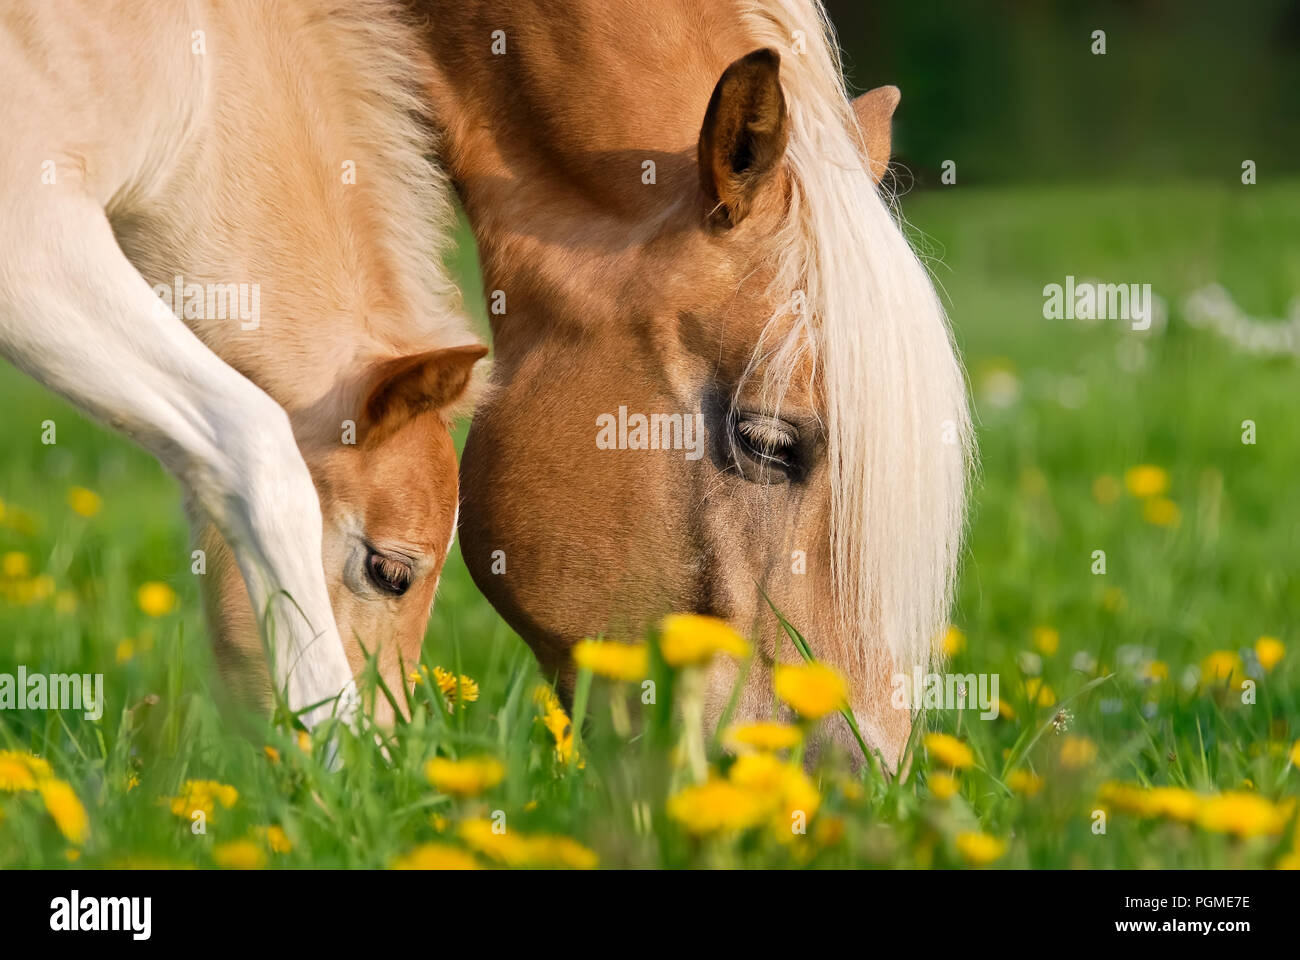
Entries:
{"x":388,"y":573}
{"x":767,"y":442}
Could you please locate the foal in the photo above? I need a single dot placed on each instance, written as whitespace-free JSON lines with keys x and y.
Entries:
{"x":219,"y":226}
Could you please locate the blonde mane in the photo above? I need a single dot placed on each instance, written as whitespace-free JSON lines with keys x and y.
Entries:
{"x":872,"y":325}
{"x":377,"y":61}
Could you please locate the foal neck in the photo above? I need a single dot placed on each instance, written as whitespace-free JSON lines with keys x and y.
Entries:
{"x":305,"y":178}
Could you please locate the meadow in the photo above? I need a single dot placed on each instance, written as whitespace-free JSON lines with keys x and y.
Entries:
{"x":1150,"y":714}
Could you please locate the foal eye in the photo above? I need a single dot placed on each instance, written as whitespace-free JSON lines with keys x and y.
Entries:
{"x":768,"y":443}
{"x":388,"y":573}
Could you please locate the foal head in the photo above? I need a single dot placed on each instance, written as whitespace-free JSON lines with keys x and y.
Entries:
{"x":389,"y":504}
{"x":753,"y":283}
{"x":388,"y":498}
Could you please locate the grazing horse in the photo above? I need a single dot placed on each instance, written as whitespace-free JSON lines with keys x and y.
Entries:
{"x":720,"y":369}
{"x":221,"y":227}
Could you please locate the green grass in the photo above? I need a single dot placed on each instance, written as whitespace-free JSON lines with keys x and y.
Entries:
{"x":1222,"y":577}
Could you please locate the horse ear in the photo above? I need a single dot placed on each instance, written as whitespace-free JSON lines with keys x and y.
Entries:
{"x":406,"y":386}
{"x":744,"y":135}
{"x":874,"y":110}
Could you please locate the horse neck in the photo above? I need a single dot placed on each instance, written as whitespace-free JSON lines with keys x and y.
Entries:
{"x":306,"y":178}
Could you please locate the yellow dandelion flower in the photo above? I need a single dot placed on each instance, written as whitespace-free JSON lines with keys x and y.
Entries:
{"x":304,"y":741}
{"x":1047,"y":640}
{"x":272,"y":754}
{"x":690,"y":639}
{"x":156,"y":599}
{"x":15,"y":565}
{"x":1161,"y":512}
{"x":436,"y":856}
{"x":462,"y":691}
{"x":1106,"y":489}
{"x":84,"y":502}
{"x":949,"y":751}
{"x":545,"y":698}
{"x":1146,"y":481}
{"x":561,"y":852}
{"x":1269,"y":651}
{"x":943,"y":785}
{"x":953,"y":641}
{"x":624,"y":662}
{"x":561,"y":730}
{"x":63,"y":805}
{"x":494,"y":840}
{"x":784,"y":787}
{"x":205,"y":796}
{"x":764,"y":736}
{"x":1240,"y":813}
{"x":811,"y":689}
{"x":517,"y":849}
{"x":1175,"y":803}
{"x":979,"y":849}
{"x":1123,"y":797}
{"x":465,"y":778}
{"x":132,"y":781}
{"x":125,"y":650}
{"x":1295,"y":754}
{"x":1113,"y":599}
{"x":1221,"y":666}
{"x":716,"y":806}
{"x":275,"y":838}
{"x":1024,"y":782}
{"x":1039,"y":693}
{"x":239,"y":855}
{"x":445,"y":681}
{"x":42,"y":587}
{"x":828,"y":832}
{"x":41,"y":768}
{"x":1077,"y":752}
{"x":16,"y":774}
{"x":1155,"y":671}
{"x":1006,"y":710}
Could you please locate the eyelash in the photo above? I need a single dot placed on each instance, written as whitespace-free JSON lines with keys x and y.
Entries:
{"x":764,"y":440}
{"x":388,"y":573}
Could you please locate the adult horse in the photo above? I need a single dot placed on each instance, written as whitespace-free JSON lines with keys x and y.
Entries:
{"x":263,"y":166}
{"x":678,"y":214}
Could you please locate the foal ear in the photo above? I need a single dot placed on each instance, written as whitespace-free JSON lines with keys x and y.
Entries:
{"x":404,"y":387}
{"x":744,"y":135}
{"x":874,"y":110}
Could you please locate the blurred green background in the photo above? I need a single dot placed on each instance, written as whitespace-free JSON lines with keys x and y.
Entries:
{"x":1010,"y":90}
